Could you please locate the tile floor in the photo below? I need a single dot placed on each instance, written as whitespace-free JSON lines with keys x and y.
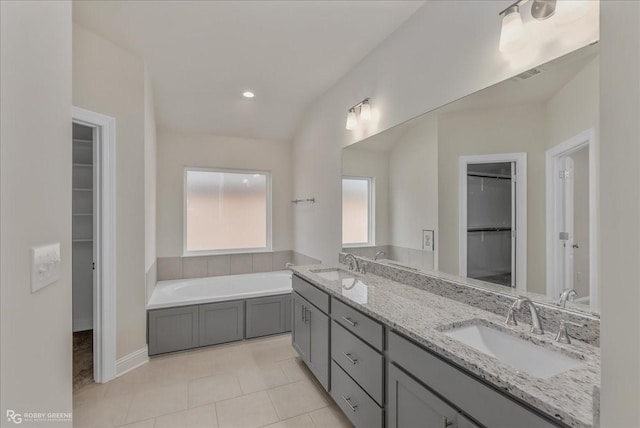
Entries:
{"x":250,"y":384}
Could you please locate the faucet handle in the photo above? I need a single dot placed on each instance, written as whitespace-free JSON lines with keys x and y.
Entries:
{"x":363,"y":267}
{"x":563,"y":335}
{"x":511,"y":315}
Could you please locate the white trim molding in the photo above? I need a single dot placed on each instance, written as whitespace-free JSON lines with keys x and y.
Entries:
{"x":584,"y":139}
{"x":132,"y":361}
{"x":520,"y":160}
{"x":104,"y":291}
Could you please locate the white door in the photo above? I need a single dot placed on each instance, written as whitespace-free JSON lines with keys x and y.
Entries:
{"x":514,"y":232}
{"x":565,"y":236}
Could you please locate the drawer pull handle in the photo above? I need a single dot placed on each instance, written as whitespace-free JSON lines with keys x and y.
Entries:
{"x":350,"y":321}
{"x":348,"y":401}
{"x":348,"y":357}
{"x":446,"y":423}
{"x":307,"y":316}
{"x":304,"y":311}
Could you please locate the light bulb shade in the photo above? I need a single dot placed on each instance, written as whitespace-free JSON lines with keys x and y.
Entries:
{"x":365,"y":111}
{"x":512,"y":34}
{"x":568,"y":11}
{"x":352,"y":120}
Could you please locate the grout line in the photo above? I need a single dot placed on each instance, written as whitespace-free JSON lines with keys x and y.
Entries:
{"x":272,"y":404}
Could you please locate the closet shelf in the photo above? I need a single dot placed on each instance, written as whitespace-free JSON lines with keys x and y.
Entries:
{"x":80,"y":189}
{"x":82,"y":240}
{"x":489,"y":229}
{"x":83,"y":165}
{"x":80,"y":140}
{"x":83,"y":214}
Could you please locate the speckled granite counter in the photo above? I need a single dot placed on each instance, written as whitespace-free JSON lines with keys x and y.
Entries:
{"x":423,"y":316}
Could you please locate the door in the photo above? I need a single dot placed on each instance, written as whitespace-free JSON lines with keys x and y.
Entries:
{"x":566,"y":237}
{"x":300,"y":332}
{"x":221,"y":322}
{"x":318,"y":343}
{"x":412,"y":405}
{"x":266,"y":315}
{"x":173,"y":329}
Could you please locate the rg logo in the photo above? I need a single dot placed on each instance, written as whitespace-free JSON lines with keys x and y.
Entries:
{"x":14,"y":417}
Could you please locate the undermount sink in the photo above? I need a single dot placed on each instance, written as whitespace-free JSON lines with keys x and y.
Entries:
{"x":518,"y":353}
{"x":334,"y":274}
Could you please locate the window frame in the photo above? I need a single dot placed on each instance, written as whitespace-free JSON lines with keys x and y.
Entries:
{"x":371,"y":212}
{"x":269,"y":246}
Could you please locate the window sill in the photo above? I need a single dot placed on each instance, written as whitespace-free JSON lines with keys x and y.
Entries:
{"x":227,"y":252}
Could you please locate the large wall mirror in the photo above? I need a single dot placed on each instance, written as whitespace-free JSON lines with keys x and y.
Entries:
{"x":498,"y":188}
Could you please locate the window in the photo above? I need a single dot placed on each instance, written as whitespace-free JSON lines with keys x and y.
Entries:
{"x":357,"y":211}
{"x":226,"y":211}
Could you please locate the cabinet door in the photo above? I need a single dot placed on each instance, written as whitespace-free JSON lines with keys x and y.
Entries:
{"x":173,"y":329}
{"x":266,"y":315}
{"x":221,"y":322}
{"x":411,"y":405}
{"x":319,"y":344}
{"x":300,"y":332}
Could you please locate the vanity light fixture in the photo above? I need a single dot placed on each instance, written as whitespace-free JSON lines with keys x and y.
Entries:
{"x":361,"y":110}
{"x":513,"y":34}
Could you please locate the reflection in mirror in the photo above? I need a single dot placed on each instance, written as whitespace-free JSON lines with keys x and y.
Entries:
{"x":498,"y":186}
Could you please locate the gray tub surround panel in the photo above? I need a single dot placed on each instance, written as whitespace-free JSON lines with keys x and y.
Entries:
{"x":421,"y":316}
{"x":187,"y":327}
{"x":227,"y":264}
{"x":151,"y":278}
{"x":493,"y":298}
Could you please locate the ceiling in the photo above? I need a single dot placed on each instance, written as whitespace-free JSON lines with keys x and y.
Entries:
{"x":202,"y":55}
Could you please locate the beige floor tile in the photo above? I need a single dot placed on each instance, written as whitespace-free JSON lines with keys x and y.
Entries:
{"x":145,"y":377}
{"x":148,"y":423}
{"x":249,"y":411}
{"x":186,"y":367}
{"x":295,"y":369}
{"x":302,"y":421}
{"x":330,"y":417}
{"x":157,"y":401}
{"x":198,"y":417}
{"x":105,"y":412}
{"x":89,"y":393}
{"x":262,"y":377}
{"x":274,"y":350}
{"x":213,"y":388}
{"x":296,"y":398}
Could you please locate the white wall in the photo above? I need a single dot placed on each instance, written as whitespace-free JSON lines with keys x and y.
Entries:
{"x":35,"y":205}
{"x":413,"y":171}
{"x":177,"y":150}
{"x":620,"y":213}
{"x":444,"y":52}
{"x":110,"y":80}
{"x":369,"y":163}
{"x":150,"y":160}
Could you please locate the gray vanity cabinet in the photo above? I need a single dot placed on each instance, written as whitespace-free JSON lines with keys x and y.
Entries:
{"x":310,"y":333}
{"x":221,"y":322}
{"x":412,"y":405}
{"x":173,"y":329}
{"x":300,"y":333}
{"x":268,"y":315}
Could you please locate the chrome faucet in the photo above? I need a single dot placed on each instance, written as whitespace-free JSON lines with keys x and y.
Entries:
{"x":379,"y":254}
{"x":536,"y":327}
{"x":566,"y":295}
{"x":563,"y":336}
{"x":353,"y":262}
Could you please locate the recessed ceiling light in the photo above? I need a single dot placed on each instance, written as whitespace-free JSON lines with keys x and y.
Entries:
{"x":248,"y":94}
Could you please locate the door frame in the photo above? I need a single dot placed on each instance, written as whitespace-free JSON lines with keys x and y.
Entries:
{"x":520,"y":160}
{"x":104,"y":287}
{"x":573,"y":144}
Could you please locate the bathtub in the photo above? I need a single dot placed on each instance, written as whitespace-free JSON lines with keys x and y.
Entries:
{"x":195,"y":291}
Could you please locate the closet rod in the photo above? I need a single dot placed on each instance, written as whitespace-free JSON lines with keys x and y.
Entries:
{"x":479,"y":174}
{"x":489,"y":229}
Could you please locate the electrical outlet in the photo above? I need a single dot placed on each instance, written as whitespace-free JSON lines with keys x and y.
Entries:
{"x":427,"y":240}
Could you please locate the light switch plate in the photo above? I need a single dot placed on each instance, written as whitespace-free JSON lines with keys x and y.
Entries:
{"x":45,"y":266}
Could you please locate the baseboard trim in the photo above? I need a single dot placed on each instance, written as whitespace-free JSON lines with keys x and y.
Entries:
{"x":132,"y":361}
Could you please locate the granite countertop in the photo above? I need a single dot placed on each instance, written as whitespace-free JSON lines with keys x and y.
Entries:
{"x":423,"y":316}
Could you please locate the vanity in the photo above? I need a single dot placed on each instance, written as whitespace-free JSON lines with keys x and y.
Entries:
{"x":396,"y":355}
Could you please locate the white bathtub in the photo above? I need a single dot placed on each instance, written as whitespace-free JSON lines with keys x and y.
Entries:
{"x":181,"y":292}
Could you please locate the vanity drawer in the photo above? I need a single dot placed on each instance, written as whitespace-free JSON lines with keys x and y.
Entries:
{"x":361,"y":410}
{"x":358,"y":323}
{"x":314,"y":295}
{"x":359,"y":360}
{"x":475,"y":398}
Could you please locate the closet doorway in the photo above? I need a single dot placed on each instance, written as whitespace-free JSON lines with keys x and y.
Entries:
{"x":492,"y":235}
{"x":93,"y":251}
